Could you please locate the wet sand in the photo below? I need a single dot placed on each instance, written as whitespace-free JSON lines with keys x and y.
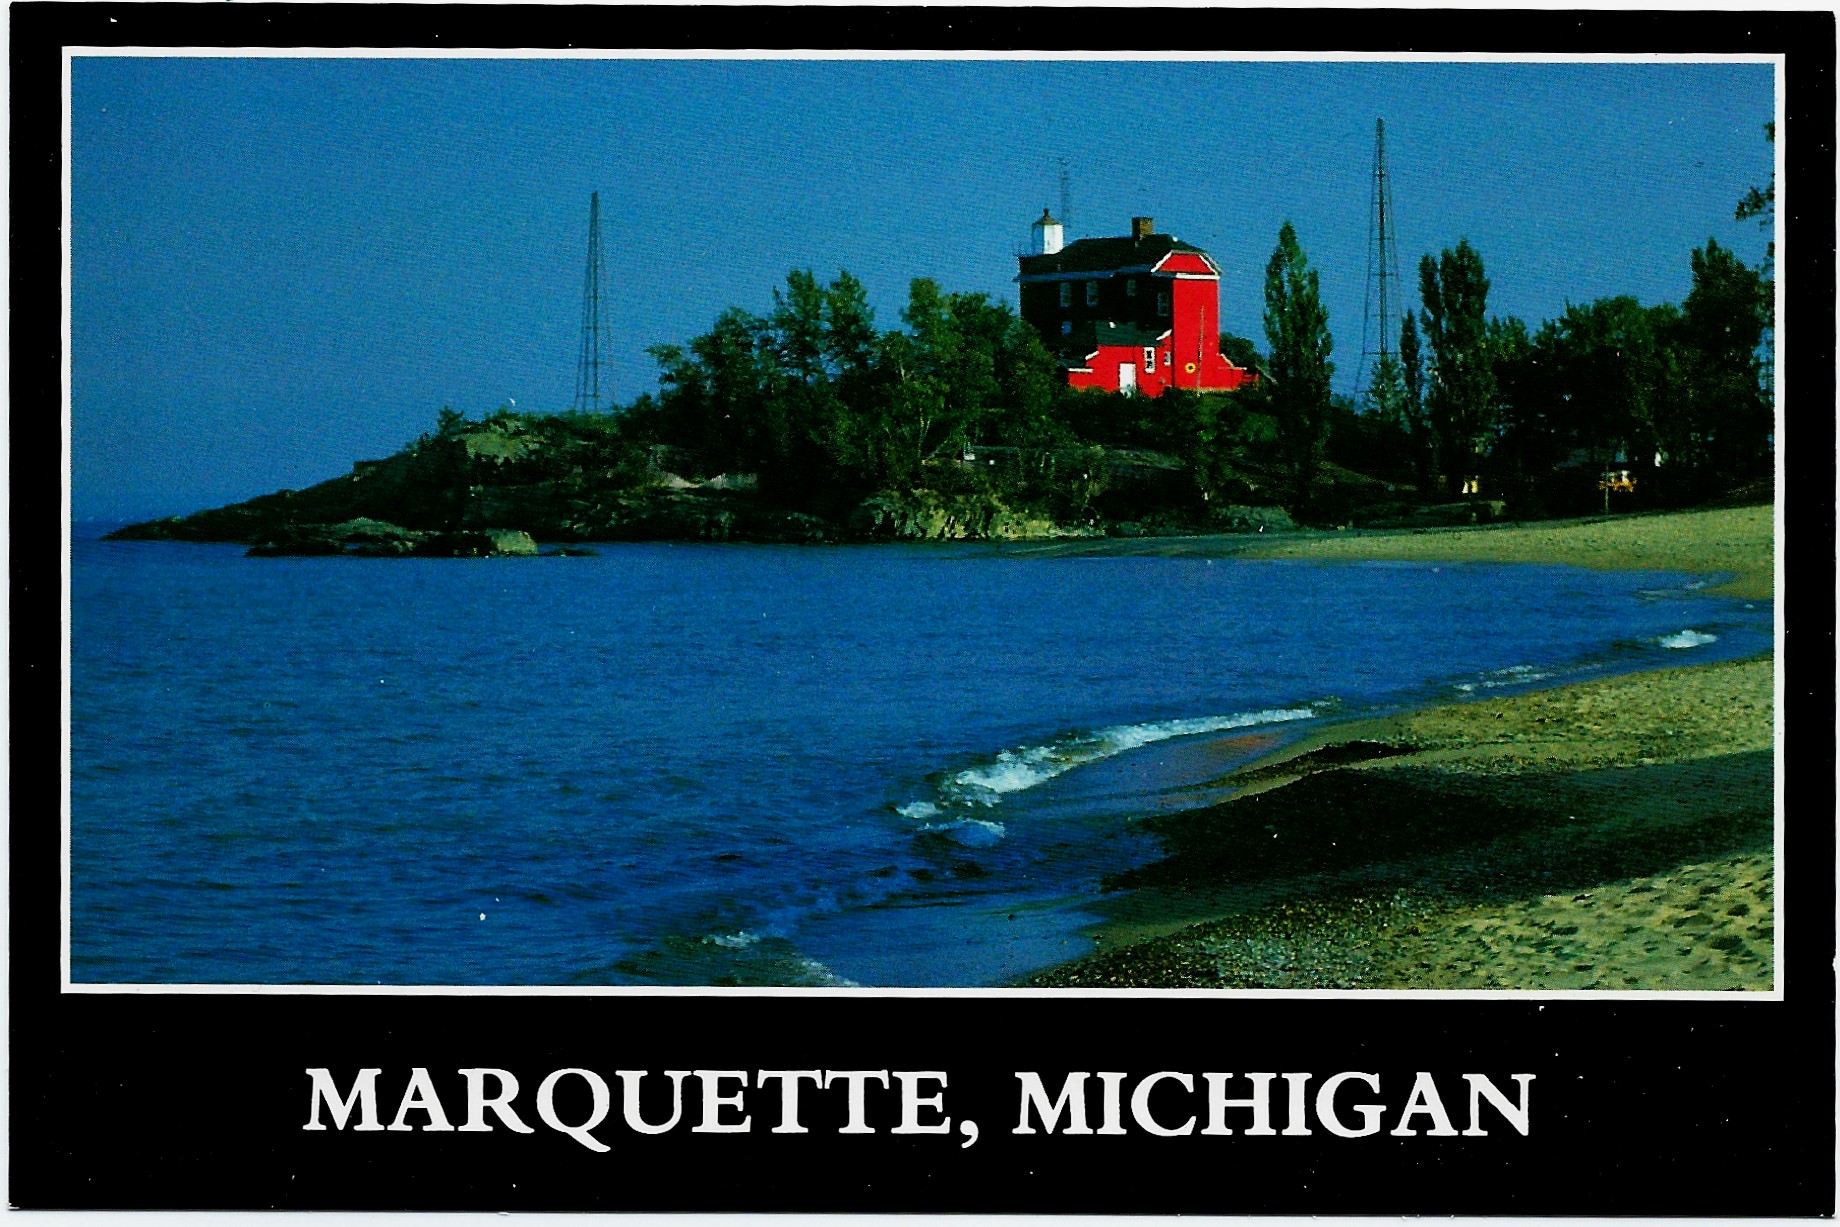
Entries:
{"x":1617,"y":834}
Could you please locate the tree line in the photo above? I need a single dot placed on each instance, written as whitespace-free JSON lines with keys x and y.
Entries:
{"x":826,"y":408}
{"x":1676,"y":396}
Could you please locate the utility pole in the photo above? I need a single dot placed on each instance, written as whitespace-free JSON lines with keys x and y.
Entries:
{"x":593,"y":331}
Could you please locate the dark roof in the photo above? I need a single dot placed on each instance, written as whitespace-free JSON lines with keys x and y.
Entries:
{"x":1106,"y":255}
{"x":1089,"y":335}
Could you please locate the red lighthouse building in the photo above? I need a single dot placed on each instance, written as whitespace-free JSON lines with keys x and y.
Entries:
{"x":1135,"y":315}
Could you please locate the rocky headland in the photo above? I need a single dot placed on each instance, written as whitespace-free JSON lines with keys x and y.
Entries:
{"x":499,"y":486}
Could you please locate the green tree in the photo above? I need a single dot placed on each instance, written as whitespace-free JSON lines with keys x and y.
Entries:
{"x":849,"y":330}
{"x":934,"y":381}
{"x":1728,"y":419}
{"x":1611,"y":363}
{"x":778,"y":395}
{"x":1461,"y":390}
{"x":1412,"y":403}
{"x":1524,"y":439}
{"x":1761,"y":203}
{"x":713,"y":393}
{"x":1031,"y":391}
{"x":802,"y":404}
{"x":1297,"y":333}
{"x":1381,"y":433}
{"x":1386,"y":392}
{"x":1240,"y":352}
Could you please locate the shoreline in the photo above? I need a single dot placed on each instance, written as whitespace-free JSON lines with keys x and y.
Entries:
{"x":1615,"y":834}
{"x":1736,"y":542}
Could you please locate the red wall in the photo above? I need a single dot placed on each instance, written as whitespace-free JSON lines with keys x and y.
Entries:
{"x":1101,"y":374}
{"x":1189,"y":357}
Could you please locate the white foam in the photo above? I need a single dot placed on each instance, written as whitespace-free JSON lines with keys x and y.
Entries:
{"x":1130,"y":736}
{"x":969,"y":832}
{"x":917,"y":810}
{"x":1513,"y":675}
{"x":1015,"y":770}
{"x":1687,"y":639}
{"x":817,"y":975}
{"x":732,"y":941}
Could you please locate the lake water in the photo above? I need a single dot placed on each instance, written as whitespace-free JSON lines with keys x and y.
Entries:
{"x":724,"y":764}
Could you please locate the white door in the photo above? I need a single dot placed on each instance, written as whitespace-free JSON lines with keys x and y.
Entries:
{"x":1127,"y":378}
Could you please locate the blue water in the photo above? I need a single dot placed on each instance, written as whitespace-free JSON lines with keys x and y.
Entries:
{"x":724,"y":764}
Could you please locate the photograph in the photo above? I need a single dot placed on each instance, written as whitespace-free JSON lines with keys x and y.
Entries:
{"x":651,"y":522}
{"x":932,"y":629}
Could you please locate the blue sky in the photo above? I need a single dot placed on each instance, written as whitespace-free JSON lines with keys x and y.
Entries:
{"x":280,"y":266}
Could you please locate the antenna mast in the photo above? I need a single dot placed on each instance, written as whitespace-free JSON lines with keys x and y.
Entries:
{"x":1066,"y":198}
{"x":1382,"y":270}
{"x":588,"y":369}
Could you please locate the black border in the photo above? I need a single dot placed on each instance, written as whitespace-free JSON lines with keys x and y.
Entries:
{"x":1642,"y":1107}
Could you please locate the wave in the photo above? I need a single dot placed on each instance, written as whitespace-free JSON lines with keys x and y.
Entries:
{"x":968,"y":832}
{"x":1687,"y":639}
{"x":1513,"y":675}
{"x":1016,"y":770}
{"x":751,"y":958}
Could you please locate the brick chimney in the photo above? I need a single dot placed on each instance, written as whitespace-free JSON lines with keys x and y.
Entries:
{"x":1143,"y":227}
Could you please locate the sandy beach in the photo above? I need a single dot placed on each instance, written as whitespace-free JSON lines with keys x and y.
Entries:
{"x":1733,"y":543}
{"x":1616,"y":834}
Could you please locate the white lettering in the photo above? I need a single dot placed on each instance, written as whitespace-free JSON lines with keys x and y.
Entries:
{"x":1425,"y":1100}
{"x":1072,"y":1099}
{"x":363,"y":1096}
{"x":1295,"y":1126}
{"x":477,"y":1103}
{"x":1113,"y":1102}
{"x":855,"y":1078}
{"x":1481,"y":1088}
{"x":714,"y":1102}
{"x":630,"y":1080}
{"x":1259,"y":1101}
{"x":1325,"y":1106}
{"x":911,"y":1102}
{"x":789,"y":1095}
{"x":420,"y":1094}
{"x":1140,"y":1104}
{"x":546,"y":1107}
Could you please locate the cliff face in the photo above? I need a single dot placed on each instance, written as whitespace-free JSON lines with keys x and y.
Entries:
{"x":499,"y":486}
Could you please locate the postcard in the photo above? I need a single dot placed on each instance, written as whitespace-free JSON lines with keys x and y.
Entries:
{"x":918,"y":628}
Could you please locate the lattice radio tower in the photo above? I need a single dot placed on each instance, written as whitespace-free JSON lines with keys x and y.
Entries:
{"x":1380,"y":304}
{"x":1066,"y":199}
{"x":594,"y":333}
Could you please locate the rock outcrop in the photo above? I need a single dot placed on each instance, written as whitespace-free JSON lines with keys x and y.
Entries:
{"x":923,"y":515}
{"x":368,"y":538}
